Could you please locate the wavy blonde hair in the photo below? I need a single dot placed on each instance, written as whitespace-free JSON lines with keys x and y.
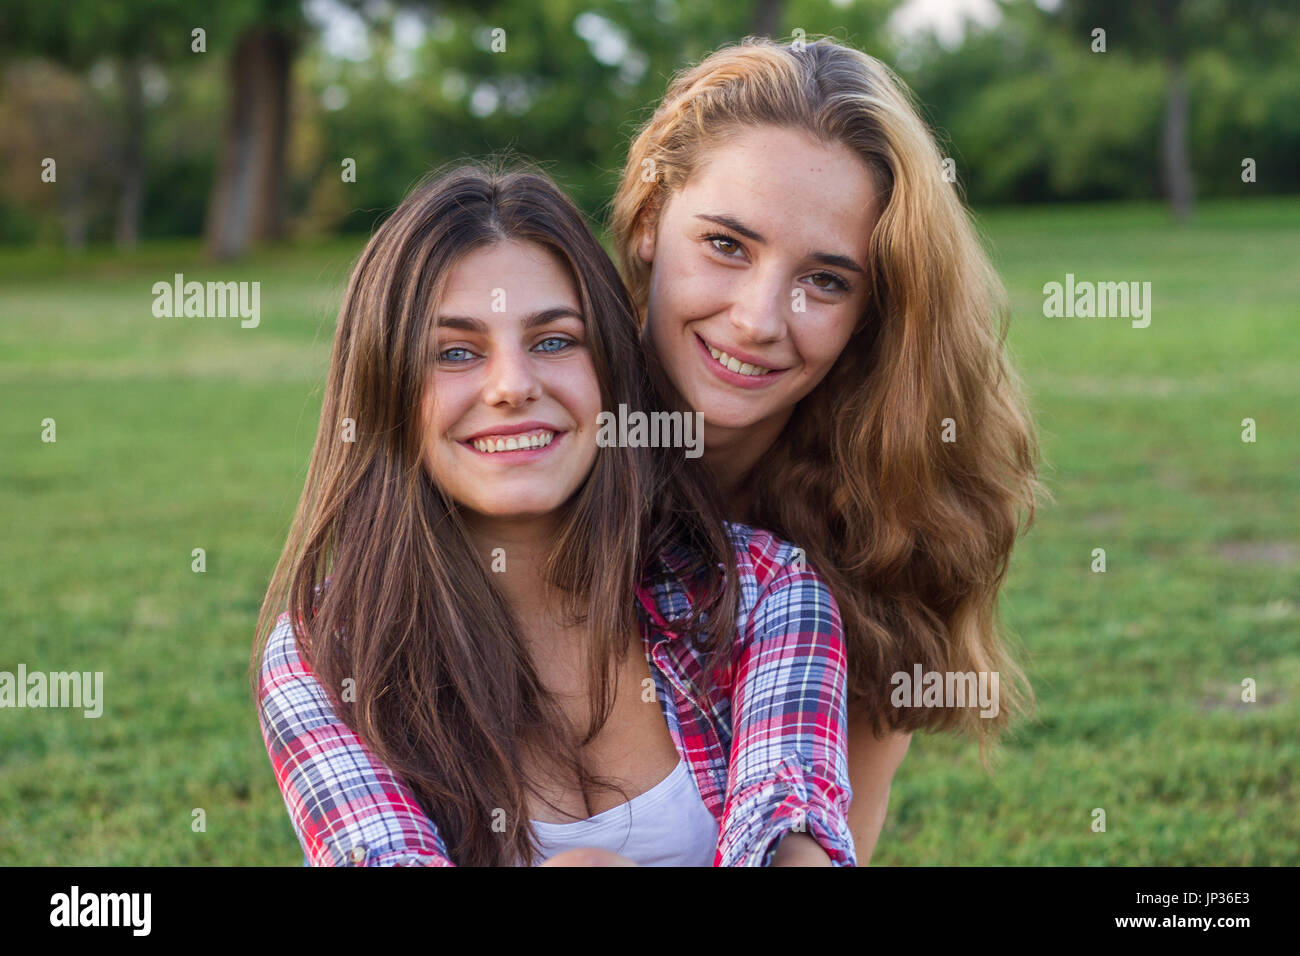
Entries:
{"x":913,"y":533}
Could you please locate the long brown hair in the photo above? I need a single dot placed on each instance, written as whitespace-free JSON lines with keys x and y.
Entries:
{"x":912,"y":532}
{"x":445,"y":692}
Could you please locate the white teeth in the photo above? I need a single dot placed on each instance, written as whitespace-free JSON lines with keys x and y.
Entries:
{"x":744,"y":368}
{"x":493,"y":445}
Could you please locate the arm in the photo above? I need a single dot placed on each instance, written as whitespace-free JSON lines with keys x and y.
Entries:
{"x":347,"y":808}
{"x":787,"y":782}
{"x":872,"y":764}
{"x":799,"y":849}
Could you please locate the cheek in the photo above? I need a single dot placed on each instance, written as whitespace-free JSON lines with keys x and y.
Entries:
{"x":446,"y":402}
{"x":574,"y":384}
{"x":696,"y":290}
{"x":821,"y":344}
{"x":443,"y":408}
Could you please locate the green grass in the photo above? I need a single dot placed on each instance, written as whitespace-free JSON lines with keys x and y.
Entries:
{"x":175,"y":434}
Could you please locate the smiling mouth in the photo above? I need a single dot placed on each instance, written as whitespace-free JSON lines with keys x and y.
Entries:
{"x":732,"y":364}
{"x":529,"y":441}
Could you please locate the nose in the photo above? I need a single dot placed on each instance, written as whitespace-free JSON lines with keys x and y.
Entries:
{"x":511,"y":379}
{"x":759,"y":312}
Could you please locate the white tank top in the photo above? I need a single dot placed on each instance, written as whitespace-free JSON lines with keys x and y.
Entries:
{"x":669,"y":825}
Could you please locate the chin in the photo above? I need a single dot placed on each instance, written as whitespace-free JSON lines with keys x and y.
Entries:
{"x":729,"y":412}
{"x":519,"y":506}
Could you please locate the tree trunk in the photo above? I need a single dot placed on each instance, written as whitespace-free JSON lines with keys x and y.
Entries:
{"x":75,"y":215}
{"x":248,"y":198}
{"x":131,"y":197}
{"x":1177,"y":161}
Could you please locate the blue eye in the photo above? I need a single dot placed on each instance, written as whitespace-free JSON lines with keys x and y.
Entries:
{"x":456,"y":355}
{"x":553,"y":343}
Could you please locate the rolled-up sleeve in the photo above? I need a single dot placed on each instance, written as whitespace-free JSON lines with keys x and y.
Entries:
{"x":347,"y":808}
{"x":788,"y":769}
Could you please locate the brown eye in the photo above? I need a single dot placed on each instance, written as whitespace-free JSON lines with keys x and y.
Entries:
{"x":834,"y":282}
{"x":725,"y":245}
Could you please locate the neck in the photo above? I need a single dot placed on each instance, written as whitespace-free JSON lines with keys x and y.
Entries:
{"x":732,"y":453}
{"x":515,"y":551}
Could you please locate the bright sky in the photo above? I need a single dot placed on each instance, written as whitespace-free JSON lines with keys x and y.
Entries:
{"x":344,"y":34}
{"x":946,"y":17}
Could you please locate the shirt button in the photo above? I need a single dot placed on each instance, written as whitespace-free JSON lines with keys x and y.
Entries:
{"x":358,"y":854}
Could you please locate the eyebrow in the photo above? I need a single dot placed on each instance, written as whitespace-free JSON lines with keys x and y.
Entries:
{"x":468,"y":323}
{"x":825,"y":258}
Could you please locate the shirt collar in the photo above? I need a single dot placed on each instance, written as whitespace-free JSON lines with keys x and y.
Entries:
{"x":671,"y":595}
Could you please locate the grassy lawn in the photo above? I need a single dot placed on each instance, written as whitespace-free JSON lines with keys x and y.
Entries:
{"x":176,"y":434}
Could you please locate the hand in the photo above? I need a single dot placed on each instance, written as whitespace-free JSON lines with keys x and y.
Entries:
{"x":589,"y":856}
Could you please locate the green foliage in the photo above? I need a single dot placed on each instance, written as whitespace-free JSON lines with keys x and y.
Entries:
{"x":1025,"y":107}
{"x":566,"y":89}
{"x":1032,"y":114}
{"x":81,"y":32}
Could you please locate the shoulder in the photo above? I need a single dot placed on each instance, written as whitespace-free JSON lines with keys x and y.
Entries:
{"x":772,"y":569}
{"x":285,"y":678}
{"x":787,"y":611}
{"x":776,"y":587}
{"x":761,"y":556}
{"x":281,"y":651}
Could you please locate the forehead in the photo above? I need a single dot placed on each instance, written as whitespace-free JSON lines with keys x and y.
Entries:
{"x":507,"y":277}
{"x":788,"y":186}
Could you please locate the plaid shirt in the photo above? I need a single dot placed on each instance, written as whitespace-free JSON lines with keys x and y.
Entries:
{"x":767,"y":748}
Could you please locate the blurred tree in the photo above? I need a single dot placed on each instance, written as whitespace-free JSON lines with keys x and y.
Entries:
{"x":1174,"y":30}
{"x":1023,"y":105}
{"x":562,"y":83}
{"x":81,"y":33}
{"x":565,"y":83}
{"x":49,"y":112}
{"x":248,"y":200}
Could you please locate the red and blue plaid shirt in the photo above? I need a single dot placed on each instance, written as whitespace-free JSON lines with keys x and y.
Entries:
{"x":767,"y":747}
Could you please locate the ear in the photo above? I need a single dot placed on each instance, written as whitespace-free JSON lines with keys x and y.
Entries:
{"x":646,"y":237}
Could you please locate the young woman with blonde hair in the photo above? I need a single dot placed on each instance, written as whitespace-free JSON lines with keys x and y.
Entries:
{"x":812,"y":283}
